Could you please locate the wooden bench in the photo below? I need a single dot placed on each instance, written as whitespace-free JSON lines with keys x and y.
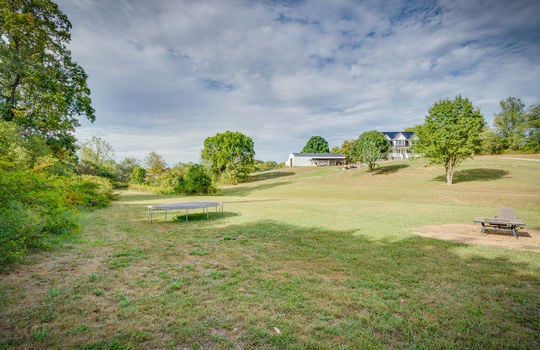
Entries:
{"x":506,"y":220}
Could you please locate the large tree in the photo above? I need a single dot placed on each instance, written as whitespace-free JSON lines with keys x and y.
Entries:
{"x":451,"y":133}
{"x":511,"y":122}
{"x":96,"y":157}
{"x":41,"y":88}
{"x":346,"y":149}
{"x":316,"y":144}
{"x":230,"y":155}
{"x":155,"y":167}
{"x":532,"y":128}
{"x":369,"y":147}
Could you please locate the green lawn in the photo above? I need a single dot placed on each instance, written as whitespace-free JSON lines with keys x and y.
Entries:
{"x":303,"y":258}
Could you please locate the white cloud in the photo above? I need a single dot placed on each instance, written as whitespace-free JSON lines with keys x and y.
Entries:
{"x":167,"y":74}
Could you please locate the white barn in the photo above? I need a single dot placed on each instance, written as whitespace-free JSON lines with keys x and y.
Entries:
{"x":315,"y":159}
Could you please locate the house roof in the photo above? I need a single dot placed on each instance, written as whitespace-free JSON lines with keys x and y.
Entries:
{"x":394,"y":134}
{"x":320,"y":155}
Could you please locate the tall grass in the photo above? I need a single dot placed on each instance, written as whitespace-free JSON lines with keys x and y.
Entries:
{"x":301,"y":259}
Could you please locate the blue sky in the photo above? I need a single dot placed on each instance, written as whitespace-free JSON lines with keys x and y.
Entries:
{"x":166,"y":74}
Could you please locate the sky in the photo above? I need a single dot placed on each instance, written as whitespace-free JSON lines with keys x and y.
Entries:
{"x":167,"y":74}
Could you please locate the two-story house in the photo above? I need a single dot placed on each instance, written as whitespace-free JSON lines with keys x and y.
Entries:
{"x":400,"y":144}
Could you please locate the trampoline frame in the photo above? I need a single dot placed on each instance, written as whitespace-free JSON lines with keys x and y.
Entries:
{"x":183,"y":206}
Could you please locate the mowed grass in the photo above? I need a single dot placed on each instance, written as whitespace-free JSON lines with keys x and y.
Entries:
{"x":302,"y":258}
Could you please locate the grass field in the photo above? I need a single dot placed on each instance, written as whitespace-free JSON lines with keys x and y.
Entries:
{"x":302,"y":258}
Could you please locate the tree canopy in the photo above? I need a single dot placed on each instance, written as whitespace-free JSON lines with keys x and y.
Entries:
{"x":369,"y":147}
{"x":41,"y":88}
{"x":155,"y":166}
{"x":451,"y":133}
{"x":230,"y":156}
{"x":316,"y":144}
{"x":510,"y":122}
{"x":96,"y":157}
{"x":532,"y":128}
{"x":517,"y":128}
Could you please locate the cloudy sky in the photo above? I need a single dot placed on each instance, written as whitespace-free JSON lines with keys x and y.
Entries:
{"x":166,"y":74}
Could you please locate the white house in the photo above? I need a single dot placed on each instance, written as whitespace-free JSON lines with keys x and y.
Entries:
{"x":400,"y":143}
{"x":315,"y":159}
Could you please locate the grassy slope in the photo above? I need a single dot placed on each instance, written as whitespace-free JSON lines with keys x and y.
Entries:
{"x":325,"y":256}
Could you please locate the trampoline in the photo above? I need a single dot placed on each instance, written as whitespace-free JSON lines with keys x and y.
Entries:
{"x":183,"y":206}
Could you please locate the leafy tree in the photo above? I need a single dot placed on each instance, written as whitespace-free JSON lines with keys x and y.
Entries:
{"x":451,"y":133}
{"x":264,"y":166}
{"x":492,"y":142}
{"x":13,"y":151}
{"x":97,"y":158}
{"x":41,"y":89}
{"x":346,"y":149}
{"x":155,"y":166}
{"x":138,"y":175}
{"x":316,"y":144}
{"x":369,"y":147}
{"x":532,"y":128}
{"x":230,"y":156}
{"x":510,"y":122}
{"x":125,"y":169}
{"x":197,"y":181}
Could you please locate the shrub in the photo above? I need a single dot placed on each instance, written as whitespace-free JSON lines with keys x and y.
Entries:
{"x":197,"y":181}
{"x":88,"y":191}
{"x":138,"y":175}
{"x":35,"y":206}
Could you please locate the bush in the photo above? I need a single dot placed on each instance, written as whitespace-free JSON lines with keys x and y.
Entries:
{"x":19,"y":229}
{"x":197,"y":181}
{"x":88,"y":191}
{"x":35,"y":206}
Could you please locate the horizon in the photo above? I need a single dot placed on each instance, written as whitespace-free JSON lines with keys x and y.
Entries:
{"x":166,"y":75}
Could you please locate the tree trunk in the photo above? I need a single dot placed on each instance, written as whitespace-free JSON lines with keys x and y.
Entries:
{"x":449,"y":172}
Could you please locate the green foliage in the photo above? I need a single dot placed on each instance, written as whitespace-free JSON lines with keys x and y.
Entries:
{"x":126,"y":168}
{"x":97,"y":158}
{"x":493,"y":143}
{"x":451,"y":133}
{"x":138,"y":175}
{"x":265,"y":166}
{"x":88,"y":191}
{"x":509,"y":123}
{"x":197,"y":181}
{"x":370,"y":147}
{"x":347,"y":149}
{"x":35,"y":206}
{"x":230,"y":156}
{"x":532,"y":129}
{"x":316,"y":144}
{"x":41,"y":89}
{"x":155,"y":167}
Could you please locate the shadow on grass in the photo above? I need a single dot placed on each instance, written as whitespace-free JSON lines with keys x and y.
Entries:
{"x":243,"y":190}
{"x":479,"y":174}
{"x":212,"y":216}
{"x":389,"y":169}
{"x":307,"y":282}
{"x":269,"y":175}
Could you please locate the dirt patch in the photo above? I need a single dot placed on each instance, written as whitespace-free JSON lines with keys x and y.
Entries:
{"x":528,"y":239}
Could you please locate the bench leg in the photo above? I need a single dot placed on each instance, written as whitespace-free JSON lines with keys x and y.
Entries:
{"x":483,"y":228}
{"x":514,"y":231}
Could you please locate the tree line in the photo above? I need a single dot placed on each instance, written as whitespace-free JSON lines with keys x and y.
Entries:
{"x":226,"y":158}
{"x":453,"y":130}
